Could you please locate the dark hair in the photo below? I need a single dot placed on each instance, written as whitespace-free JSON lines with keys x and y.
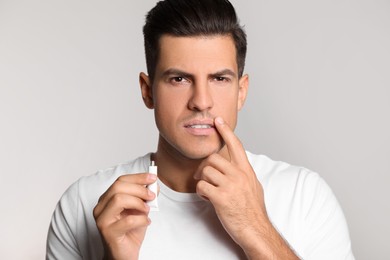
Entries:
{"x":192,"y":18}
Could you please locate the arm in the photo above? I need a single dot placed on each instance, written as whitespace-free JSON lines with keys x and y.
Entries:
{"x":61,"y":239}
{"x":326,"y":230}
{"x":238,"y":199}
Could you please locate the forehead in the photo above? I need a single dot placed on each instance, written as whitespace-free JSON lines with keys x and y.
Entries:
{"x":192,"y":53}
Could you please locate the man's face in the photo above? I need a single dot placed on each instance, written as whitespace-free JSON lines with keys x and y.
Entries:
{"x":195,"y":80}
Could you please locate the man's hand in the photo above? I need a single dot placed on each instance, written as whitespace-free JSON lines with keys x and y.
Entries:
{"x":121,"y":215}
{"x":238,"y":198}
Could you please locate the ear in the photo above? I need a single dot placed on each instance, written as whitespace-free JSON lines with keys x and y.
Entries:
{"x":146,"y":90}
{"x":243,"y":85}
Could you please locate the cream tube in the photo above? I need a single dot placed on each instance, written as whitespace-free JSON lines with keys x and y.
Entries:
{"x":153,"y":204}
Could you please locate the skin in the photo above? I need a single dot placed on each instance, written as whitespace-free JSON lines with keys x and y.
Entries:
{"x":196,"y":83}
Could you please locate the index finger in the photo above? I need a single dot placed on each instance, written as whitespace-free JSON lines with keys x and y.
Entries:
{"x":138,"y":178}
{"x":234,"y":145}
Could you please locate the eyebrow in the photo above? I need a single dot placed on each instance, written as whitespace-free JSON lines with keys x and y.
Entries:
{"x":224,"y":72}
{"x":182,"y":73}
{"x":176,"y":72}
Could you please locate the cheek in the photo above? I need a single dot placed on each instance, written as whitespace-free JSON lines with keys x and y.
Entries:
{"x":167,"y":107}
{"x":227,"y":108}
{"x":226,"y":101}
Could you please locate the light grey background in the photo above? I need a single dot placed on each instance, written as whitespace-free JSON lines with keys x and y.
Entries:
{"x":70,"y":103}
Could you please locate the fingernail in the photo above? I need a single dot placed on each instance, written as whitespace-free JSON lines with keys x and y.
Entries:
{"x":219,"y":120}
{"x":152,"y":177}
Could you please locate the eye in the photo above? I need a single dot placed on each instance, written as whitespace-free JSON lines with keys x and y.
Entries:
{"x":177,"y":79}
{"x":222,"y":79}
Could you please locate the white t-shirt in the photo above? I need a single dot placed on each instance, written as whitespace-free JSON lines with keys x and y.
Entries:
{"x":299,"y":203}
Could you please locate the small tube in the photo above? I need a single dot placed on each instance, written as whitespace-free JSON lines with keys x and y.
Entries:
{"x":153,"y":204}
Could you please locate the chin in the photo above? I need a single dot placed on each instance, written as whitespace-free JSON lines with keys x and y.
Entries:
{"x":188,"y":149}
{"x":201,"y":153}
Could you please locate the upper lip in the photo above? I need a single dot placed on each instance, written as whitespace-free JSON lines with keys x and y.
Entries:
{"x":209,"y":122}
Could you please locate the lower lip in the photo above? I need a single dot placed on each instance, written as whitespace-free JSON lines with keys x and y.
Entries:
{"x":200,"y":131}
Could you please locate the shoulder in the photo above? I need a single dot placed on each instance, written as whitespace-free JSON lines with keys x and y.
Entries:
{"x":303,"y":208}
{"x":271,"y":172}
{"x":283,"y":182}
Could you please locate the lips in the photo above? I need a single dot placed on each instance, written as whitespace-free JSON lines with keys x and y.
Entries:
{"x":203,"y":127}
{"x":200,"y":124}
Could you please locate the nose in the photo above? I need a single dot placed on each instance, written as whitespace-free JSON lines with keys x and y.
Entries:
{"x":201,"y":98}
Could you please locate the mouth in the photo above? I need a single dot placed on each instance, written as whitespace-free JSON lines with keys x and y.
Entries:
{"x":200,"y":126}
{"x":203,"y":127}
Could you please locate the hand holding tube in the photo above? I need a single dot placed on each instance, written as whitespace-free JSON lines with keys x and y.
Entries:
{"x":121,"y":215}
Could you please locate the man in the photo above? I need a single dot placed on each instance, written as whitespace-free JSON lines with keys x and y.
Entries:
{"x":216,"y":200}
